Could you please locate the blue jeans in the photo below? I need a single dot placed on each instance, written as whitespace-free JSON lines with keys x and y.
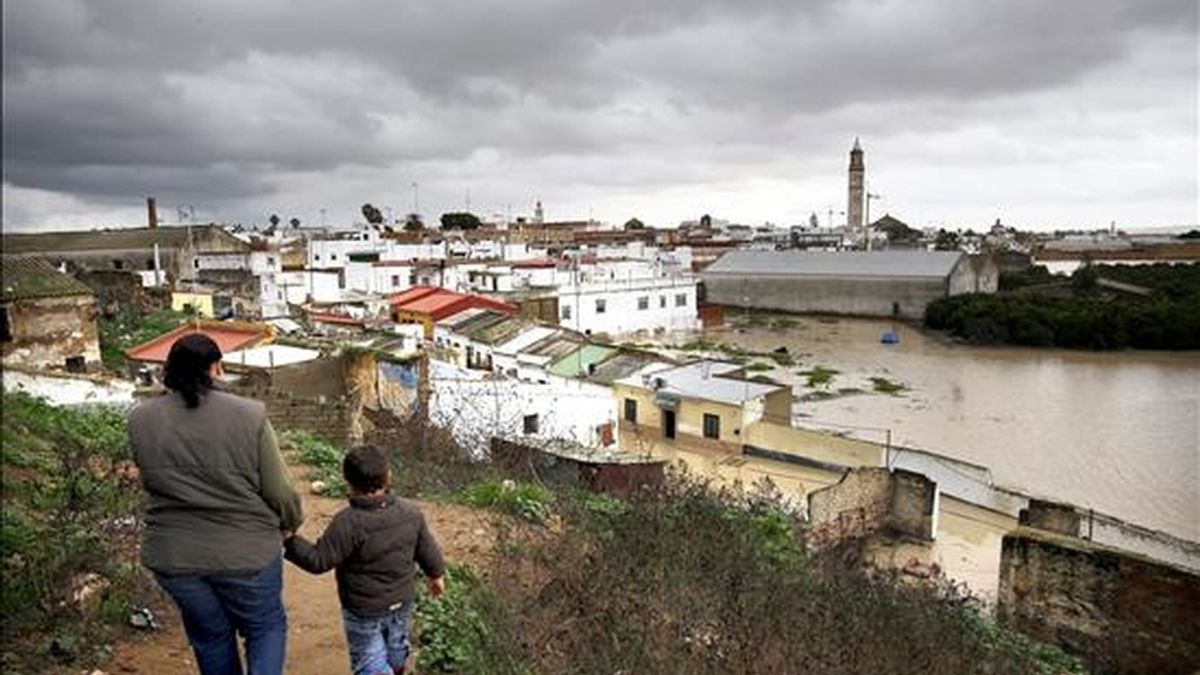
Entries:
{"x":378,"y":644}
{"x":217,"y":608}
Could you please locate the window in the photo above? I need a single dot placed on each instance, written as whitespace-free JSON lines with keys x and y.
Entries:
{"x":316,"y":256}
{"x":5,"y":329}
{"x":395,"y":281}
{"x":530,"y":424}
{"x":681,"y":300}
{"x":75,"y":364}
{"x":662,"y":301}
{"x":644,"y":302}
{"x":333,"y":256}
{"x":631,"y":410}
{"x":600,"y":306}
{"x":566,"y":312}
{"x":712,"y":426}
{"x":270,"y":261}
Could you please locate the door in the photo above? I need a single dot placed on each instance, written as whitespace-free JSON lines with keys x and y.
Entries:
{"x":668,"y":423}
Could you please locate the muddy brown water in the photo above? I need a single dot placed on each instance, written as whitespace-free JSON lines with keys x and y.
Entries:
{"x":1115,"y":431}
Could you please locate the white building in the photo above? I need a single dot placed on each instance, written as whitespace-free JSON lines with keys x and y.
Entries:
{"x":624,"y":306}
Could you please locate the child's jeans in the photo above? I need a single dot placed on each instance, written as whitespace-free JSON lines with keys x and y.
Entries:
{"x":378,"y":644}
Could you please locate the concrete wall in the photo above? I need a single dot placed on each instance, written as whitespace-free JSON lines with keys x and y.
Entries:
{"x":861,"y":296}
{"x":1119,"y":613}
{"x":822,"y":447}
{"x":622,"y":311}
{"x":47,"y":331}
{"x":873,"y":501}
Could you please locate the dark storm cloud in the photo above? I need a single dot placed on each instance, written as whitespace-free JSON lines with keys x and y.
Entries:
{"x":217,"y":100}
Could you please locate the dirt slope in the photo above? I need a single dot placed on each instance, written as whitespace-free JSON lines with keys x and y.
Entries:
{"x":315,"y":641}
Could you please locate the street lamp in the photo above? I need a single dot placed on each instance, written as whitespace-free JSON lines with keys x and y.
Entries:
{"x":867,"y":224}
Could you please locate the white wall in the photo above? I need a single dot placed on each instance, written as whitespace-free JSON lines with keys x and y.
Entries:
{"x":623,"y":312}
{"x":476,"y":410}
{"x":298,"y":285}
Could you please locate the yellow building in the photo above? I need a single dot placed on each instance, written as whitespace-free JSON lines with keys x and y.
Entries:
{"x":198,"y":303}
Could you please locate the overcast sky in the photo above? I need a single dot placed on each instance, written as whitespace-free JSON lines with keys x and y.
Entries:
{"x":1045,"y":114}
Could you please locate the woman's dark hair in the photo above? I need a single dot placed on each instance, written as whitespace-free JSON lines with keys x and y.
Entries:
{"x":365,"y":468}
{"x":188,"y":366}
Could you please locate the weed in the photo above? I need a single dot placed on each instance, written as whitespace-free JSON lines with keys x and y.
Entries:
{"x":759,"y":367}
{"x":530,"y":501}
{"x":323,"y":459}
{"x":818,"y":376}
{"x":886,"y":386}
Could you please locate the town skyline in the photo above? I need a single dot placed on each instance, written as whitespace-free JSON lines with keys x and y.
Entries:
{"x":1063,"y":117}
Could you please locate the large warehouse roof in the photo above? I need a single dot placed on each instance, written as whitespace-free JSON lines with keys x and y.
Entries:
{"x":936,"y":264}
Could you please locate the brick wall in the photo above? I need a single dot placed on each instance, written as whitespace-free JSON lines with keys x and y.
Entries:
{"x":1120,"y":613}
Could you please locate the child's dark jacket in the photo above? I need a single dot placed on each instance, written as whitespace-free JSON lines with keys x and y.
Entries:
{"x":373,"y":545}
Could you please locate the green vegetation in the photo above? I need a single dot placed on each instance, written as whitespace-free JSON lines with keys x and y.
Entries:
{"x":530,"y":501}
{"x":883,"y":385}
{"x":130,"y":329}
{"x":1089,"y":318}
{"x":759,"y":367}
{"x":688,"y":579}
{"x":67,"y":533}
{"x":762,"y":379}
{"x":783,"y":358}
{"x":1034,"y":275}
{"x":323,"y":459}
{"x":818,"y":376}
{"x":462,"y":632}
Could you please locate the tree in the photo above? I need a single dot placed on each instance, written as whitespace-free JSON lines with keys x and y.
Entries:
{"x":946,"y":241}
{"x":634,"y":224}
{"x":458,"y":220}
{"x":373,"y":215}
{"x":413,"y":223}
{"x":1190,"y":234}
{"x":295,"y":223}
{"x":274,"y":220}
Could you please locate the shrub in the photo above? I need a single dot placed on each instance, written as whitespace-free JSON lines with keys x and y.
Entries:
{"x":69,"y":499}
{"x":685,"y":579}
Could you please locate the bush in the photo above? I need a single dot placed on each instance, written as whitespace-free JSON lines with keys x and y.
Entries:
{"x":886,"y":386}
{"x":68,"y":523}
{"x":686,"y":579}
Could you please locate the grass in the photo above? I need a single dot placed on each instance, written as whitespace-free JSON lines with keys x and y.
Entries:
{"x":530,"y":501}
{"x":759,"y":367}
{"x":883,"y":385}
{"x":323,"y":459}
{"x":818,"y":376}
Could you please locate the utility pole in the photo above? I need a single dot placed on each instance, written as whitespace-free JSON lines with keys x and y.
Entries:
{"x":416,"y":203}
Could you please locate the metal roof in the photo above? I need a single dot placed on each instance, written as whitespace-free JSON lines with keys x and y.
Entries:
{"x":28,"y":278}
{"x":133,"y":238}
{"x":933,"y":264}
{"x":708,"y":380}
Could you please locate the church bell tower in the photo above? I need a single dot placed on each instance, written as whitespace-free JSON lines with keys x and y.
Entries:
{"x":854,"y":209}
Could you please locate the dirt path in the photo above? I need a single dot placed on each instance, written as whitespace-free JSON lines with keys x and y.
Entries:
{"x":315,"y":641}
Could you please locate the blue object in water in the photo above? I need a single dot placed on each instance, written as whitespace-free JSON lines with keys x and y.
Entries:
{"x":890,"y":337}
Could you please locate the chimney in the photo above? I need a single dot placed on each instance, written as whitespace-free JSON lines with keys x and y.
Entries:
{"x":151,"y":213}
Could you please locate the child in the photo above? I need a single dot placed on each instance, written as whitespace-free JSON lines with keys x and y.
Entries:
{"x":373,"y":544}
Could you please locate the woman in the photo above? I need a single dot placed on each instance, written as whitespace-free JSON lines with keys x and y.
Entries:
{"x":219,"y":498}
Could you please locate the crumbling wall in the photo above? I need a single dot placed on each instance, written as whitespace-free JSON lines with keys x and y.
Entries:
{"x":46,"y":332}
{"x":1120,"y":613}
{"x":873,"y":500}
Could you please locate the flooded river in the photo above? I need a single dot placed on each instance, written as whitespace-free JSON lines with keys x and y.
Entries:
{"x":1117,"y":432}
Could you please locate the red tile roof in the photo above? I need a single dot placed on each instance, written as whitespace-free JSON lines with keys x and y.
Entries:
{"x":439,"y":303}
{"x":335,"y":318}
{"x":228,"y":336}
